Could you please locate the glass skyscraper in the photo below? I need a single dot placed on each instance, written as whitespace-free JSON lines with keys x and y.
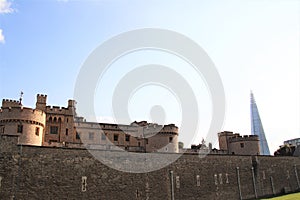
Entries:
{"x":257,"y":127}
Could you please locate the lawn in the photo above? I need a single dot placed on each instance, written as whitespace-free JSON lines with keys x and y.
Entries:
{"x":295,"y":196}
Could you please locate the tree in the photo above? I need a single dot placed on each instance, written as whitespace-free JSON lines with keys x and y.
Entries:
{"x":285,"y":150}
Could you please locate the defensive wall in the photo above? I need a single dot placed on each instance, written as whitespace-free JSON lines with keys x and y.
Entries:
{"x":32,"y":172}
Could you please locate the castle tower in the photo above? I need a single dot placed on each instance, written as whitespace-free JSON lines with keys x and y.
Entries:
{"x":26,"y":123}
{"x":257,"y":127}
{"x":41,"y":101}
{"x":224,"y":139}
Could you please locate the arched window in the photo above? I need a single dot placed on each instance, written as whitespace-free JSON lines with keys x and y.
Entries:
{"x":54,"y":119}
{"x":50,"y":119}
{"x":59,"y":119}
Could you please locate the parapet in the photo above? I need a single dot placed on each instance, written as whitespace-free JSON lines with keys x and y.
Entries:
{"x":225,"y":133}
{"x":244,"y":138}
{"x":6,"y":103}
{"x":62,"y":110}
{"x":23,"y":113}
{"x":170,"y":128}
{"x":41,"y":98}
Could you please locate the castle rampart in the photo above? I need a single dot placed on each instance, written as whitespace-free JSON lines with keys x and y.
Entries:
{"x":29,"y":172}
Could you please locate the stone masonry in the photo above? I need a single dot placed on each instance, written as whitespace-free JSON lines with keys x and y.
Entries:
{"x":33,"y":172}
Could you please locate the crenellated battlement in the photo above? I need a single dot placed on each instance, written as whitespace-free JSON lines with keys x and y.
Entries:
{"x":10,"y":103}
{"x":41,"y":96}
{"x":244,"y":138}
{"x":22,"y":113}
{"x":21,"y":109}
{"x":170,"y":128}
{"x":56,"y":108}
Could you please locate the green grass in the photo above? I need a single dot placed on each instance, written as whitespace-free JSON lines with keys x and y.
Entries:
{"x":295,"y":196}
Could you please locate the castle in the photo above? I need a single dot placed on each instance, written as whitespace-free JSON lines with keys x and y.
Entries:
{"x":31,"y":167}
{"x":61,"y":127}
{"x":236,"y":144}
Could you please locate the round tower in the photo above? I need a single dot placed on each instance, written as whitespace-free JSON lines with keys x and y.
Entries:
{"x":26,"y":123}
{"x":165,"y":139}
{"x":244,"y":145}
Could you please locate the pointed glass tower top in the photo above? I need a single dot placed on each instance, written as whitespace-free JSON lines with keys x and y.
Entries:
{"x":257,"y":127}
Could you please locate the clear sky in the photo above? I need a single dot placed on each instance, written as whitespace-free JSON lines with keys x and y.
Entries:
{"x":254,"y":44}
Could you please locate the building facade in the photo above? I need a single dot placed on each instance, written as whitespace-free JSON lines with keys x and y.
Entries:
{"x":294,"y":142}
{"x":60,"y":126}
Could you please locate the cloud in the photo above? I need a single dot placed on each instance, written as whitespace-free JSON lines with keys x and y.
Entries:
{"x":5,"y":7}
{"x":2,"y":39}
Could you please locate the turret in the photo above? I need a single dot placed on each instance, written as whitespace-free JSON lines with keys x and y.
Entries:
{"x":71,"y":103}
{"x":41,"y":102}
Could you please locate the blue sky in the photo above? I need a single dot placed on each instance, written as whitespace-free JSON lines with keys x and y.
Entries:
{"x":253,"y":43}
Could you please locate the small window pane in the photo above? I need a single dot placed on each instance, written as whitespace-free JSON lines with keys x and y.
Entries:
{"x":20,"y":129}
{"x":37,"y":131}
{"x":91,"y":136}
{"x":103,"y":136}
{"x":116,"y":137}
{"x":53,"y":129}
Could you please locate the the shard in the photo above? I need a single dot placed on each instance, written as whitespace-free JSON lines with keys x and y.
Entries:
{"x":257,"y":127}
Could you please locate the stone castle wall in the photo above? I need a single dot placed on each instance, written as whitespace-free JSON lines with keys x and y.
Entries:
{"x":28,"y":172}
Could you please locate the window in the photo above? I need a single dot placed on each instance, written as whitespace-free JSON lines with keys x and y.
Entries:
{"x":67,"y":131}
{"x":1,"y":129}
{"x":177,"y":182}
{"x":91,"y":136}
{"x":116,"y":137}
{"x":198,"y":180}
{"x":67,"y":120}
{"x":103,"y":136}
{"x":20,"y":129}
{"x":127,"y":138}
{"x":77,"y":136}
{"x":53,"y":129}
{"x":242,"y":145}
{"x":170,"y":139}
{"x":83,"y":182}
{"x":37,"y":131}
